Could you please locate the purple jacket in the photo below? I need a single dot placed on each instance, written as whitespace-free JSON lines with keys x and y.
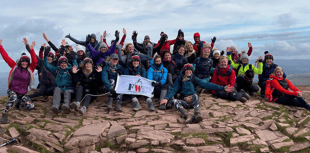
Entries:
{"x":21,"y":81}
{"x":98,"y":56}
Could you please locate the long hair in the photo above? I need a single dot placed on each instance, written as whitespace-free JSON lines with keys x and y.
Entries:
{"x":275,"y":70}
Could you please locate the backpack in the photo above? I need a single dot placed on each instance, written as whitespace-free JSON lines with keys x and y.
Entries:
{"x":226,"y":74}
{"x":57,"y":72}
{"x":250,"y":66}
{"x":269,"y":90}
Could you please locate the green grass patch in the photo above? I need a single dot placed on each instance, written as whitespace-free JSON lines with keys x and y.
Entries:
{"x":20,"y":130}
{"x":98,"y":148}
{"x":304,"y":122}
{"x":132,"y":115}
{"x":128,"y":127}
{"x":40,"y":149}
{"x":80,"y":122}
{"x":283,"y":149}
{"x":225,"y":137}
{"x":204,"y":136}
{"x":96,"y":118}
{"x":108,"y":144}
{"x":176,"y":133}
{"x":13,"y":151}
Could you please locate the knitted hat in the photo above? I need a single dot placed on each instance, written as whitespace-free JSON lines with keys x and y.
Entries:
{"x":87,"y":60}
{"x":188,"y":67}
{"x":50,"y":54}
{"x":79,"y":48}
{"x":163,"y":34}
{"x":135,"y":58}
{"x":267,"y":55}
{"x":113,"y":56}
{"x":146,"y":37}
{"x":244,"y":55}
{"x":216,"y":51}
{"x":62,"y":59}
{"x":24,"y":58}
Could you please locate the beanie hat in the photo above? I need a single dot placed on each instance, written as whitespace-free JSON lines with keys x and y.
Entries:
{"x":102,"y":44}
{"x":244,"y":55}
{"x":62,"y":59}
{"x":50,"y":54}
{"x":113,"y":56}
{"x":163,"y":34}
{"x":24,"y":58}
{"x":135,"y":58}
{"x":87,"y":60}
{"x":79,"y":48}
{"x":267,"y":55}
{"x":188,"y":67}
{"x":146,"y":37}
{"x":216,"y":51}
{"x":206,"y":45}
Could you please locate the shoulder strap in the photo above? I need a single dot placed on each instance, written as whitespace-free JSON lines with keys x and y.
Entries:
{"x":250,"y":66}
{"x":238,"y":69}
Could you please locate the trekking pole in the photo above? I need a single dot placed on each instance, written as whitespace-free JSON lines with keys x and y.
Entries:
{"x":11,"y":141}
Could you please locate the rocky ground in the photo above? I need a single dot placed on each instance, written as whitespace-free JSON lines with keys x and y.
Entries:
{"x":256,"y":126}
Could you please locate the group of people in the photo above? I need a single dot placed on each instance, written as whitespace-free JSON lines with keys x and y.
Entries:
{"x":179,"y":74}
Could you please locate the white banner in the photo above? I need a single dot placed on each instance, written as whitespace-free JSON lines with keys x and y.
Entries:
{"x":134,"y":85}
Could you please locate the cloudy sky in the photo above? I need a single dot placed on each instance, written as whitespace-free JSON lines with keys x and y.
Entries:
{"x":281,"y":27}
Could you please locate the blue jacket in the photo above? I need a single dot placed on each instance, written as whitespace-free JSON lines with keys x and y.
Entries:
{"x":203,"y":67}
{"x":188,"y":87}
{"x":158,"y":74}
{"x":140,"y":71}
{"x":63,"y":76}
{"x":266,"y":72}
{"x":108,"y":74}
{"x":179,"y":60}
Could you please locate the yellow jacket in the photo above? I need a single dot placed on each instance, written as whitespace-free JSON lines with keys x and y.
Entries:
{"x":243,"y":70}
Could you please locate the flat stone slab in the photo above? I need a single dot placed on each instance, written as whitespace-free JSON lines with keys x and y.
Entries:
{"x":234,"y":141}
{"x":300,"y":146}
{"x":92,"y":129}
{"x":266,"y":135}
{"x":281,"y":144}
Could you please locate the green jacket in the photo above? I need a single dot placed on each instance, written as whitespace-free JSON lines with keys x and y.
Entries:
{"x":242,"y":69}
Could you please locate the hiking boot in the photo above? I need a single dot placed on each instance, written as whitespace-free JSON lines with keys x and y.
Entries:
{"x":150,"y":104}
{"x":4,"y":118}
{"x":197,"y":115}
{"x":162,"y":107}
{"x":55,"y":110}
{"x":30,"y":106}
{"x":136,"y":103}
{"x":65,"y":109}
{"x":246,"y":95}
{"x":169,"y":105}
{"x":252,"y":93}
{"x":188,"y":118}
{"x":118,"y":106}
{"x":82,"y":110}
{"x":243,"y":99}
{"x":109,"y":103}
{"x":75,"y":105}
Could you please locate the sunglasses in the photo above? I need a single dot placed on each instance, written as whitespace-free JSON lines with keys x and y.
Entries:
{"x":115,"y":59}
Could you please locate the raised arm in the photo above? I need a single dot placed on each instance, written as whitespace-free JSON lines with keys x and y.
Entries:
{"x":123,"y":38}
{"x":250,"y":49}
{"x":33,"y":55}
{"x":50,"y":43}
{"x":75,"y":40}
{"x":6,"y":57}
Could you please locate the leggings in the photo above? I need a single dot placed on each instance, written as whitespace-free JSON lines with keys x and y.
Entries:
{"x":80,"y":93}
{"x":43,"y":90}
{"x":19,"y":100}
{"x":57,"y":97}
{"x":232,"y":96}
{"x":179,"y":103}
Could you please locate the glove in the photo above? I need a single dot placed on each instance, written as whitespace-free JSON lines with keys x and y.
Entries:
{"x":134,"y":36}
{"x":112,"y":91}
{"x":155,"y":84}
{"x":161,"y":33}
{"x":213,"y":39}
{"x":162,"y":39}
{"x":222,"y":52}
{"x":116,"y":35}
{"x":88,"y":38}
{"x":180,"y":33}
{"x":68,"y":36}
{"x":47,"y":50}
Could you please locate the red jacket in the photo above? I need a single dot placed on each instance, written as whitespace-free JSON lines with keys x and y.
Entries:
{"x":222,"y":79}
{"x":274,"y":84}
{"x":166,"y":45}
{"x":12,"y":64}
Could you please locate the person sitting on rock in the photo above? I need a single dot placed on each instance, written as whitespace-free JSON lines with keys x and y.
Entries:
{"x":179,"y":58}
{"x":282,"y":91}
{"x":190,"y":53}
{"x":225,"y":75}
{"x":159,"y":74}
{"x":20,"y":77}
{"x":137,"y":70}
{"x":88,"y":80}
{"x":171,"y":66}
{"x":109,"y":78}
{"x":63,"y":74}
{"x":189,"y":98}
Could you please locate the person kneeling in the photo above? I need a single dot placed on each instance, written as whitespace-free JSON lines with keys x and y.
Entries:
{"x":189,"y":98}
{"x":225,"y":75}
